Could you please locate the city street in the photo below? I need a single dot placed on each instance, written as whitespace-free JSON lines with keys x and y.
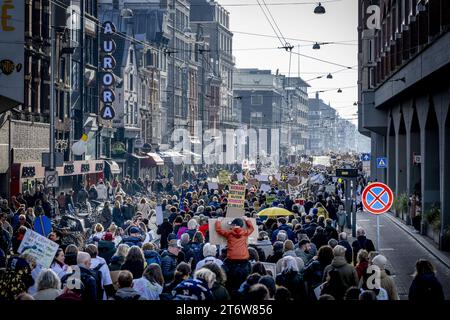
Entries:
{"x":402,"y":251}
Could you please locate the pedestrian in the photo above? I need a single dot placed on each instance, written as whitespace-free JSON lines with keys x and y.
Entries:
{"x":282,"y":226}
{"x":48,"y":285}
{"x":362,"y":263}
{"x":341,"y":218}
{"x":126,"y":291}
{"x":151,"y":284}
{"x":100,"y":270}
{"x":290,"y":278}
{"x":237,"y":265}
{"x":106,"y":217}
{"x":106,"y":246}
{"x":386,"y":282}
{"x":169,"y":258}
{"x":117,"y":215}
{"x":197,"y":289}
{"x":349,"y":250}
{"x":182,"y":272}
{"x":134,"y":262}
{"x":119,"y":257}
{"x":314,"y":270}
{"x":144,"y":208}
{"x":425,"y":286}
{"x":330,"y":230}
{"x":334,"y":286}
{"x":361,"y":242}
{"x":164,"y":230}
{"x":58,"y":266}
{"x":347,"y":272}
{"x":89,"y":283}
{"x":218,"y":290}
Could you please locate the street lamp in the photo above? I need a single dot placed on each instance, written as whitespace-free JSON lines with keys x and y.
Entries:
{"x":339,"y":90}
{"x":316,"y":46}
{"x":319,"y":9}
{"x":329,"y":76}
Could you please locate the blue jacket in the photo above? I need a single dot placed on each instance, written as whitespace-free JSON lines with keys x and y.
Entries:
{"x":132,"y":241}
{"x":285,"y":227}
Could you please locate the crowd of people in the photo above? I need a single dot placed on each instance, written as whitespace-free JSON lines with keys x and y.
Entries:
{"x":134,"y":254}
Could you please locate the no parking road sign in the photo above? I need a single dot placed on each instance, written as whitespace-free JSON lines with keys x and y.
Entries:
{"x":377,"y":198}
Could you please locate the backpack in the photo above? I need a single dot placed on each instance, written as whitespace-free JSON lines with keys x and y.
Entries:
{"x":97,"y":274}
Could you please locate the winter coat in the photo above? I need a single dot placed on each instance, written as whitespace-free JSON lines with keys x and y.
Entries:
{"x":47,"y":294}
{"x":361,"y":243}
{"x":181,"y":230}
{"x":144,"y":209}
{"x":127,"y":294}
{"x":348,"y":252}
{"x":426,"y":287}
{"x":310,"y":229}
{"x":106,"y":249}
{"x":164,"y":230}
{"x":347,"y":272}
{"x":236,"y":240}
{"x":331,"y":233}
{"x":128,"y":212}
{"x":305,"y":256}
{"x":152,"y":256}
{"x":115,"y":263}
{"x":117,"y":217}
{"x":265,"y":246}
{"x":320,"y":240}
{"x":148,"y":290}
{"x":168,"y":265}
{"x":135,"y":267}
{"x":219,"y":292}
{"x":361,"y":269}
{"x":294,"y":283}
{"x":132,"y":241}
{"x":341,"y":218}
{"x":289,"y":232}
{"x":313,"y":274}
{"x":106,"y":217}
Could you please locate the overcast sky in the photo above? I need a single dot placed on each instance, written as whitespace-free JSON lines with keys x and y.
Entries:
{"x":339,"y":24}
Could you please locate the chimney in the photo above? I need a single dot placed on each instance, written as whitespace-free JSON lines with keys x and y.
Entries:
{"x":317,"y":95}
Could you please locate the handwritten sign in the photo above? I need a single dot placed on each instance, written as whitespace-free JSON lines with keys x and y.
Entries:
{"x":39,"y":247}
{"x":236,"y":196}
{"x":224,"y":177}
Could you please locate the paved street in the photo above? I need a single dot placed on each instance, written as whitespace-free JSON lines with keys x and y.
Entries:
{"x":402,"y":252}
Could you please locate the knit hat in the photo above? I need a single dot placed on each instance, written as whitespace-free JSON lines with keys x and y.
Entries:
{"x":379,"y":261}
{"x":108,"y":236}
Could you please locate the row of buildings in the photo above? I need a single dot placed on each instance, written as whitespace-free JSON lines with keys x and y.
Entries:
{"x":404,"y":101}
{"x":126,"y":74}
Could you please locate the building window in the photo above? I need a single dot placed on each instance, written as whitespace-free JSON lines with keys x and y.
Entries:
{"x":131,"y":56}
{"x":131,"y":82}
{"x":256,"y":100}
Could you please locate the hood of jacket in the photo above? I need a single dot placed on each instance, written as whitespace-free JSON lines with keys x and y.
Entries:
{"x":168,"y":254}
{"x":338,"y":262}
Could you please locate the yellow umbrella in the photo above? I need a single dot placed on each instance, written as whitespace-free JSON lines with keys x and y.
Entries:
{"x":275,"y":212}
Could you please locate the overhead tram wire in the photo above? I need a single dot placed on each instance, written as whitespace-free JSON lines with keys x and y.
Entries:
{"x":270,"y":23}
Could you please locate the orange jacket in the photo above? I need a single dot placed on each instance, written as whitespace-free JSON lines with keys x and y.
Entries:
{"x":236,"y":240}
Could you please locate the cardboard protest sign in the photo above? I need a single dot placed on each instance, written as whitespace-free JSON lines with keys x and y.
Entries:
{"x":236,"y":196}
{"x":224,"y":177}
{"x":213,"y":185}
{"x":240,"y":176}
{"x":39,"y":247}
{"x":270,"y":199}
{"x":265,"y":187}
{"x":215,"y":238}
{"x":262,"y":177}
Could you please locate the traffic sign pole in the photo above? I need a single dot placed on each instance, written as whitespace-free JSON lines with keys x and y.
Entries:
{"x":378,"y":232}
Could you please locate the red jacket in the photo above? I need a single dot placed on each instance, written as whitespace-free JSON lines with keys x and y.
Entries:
{"x":203,"y":229}
{"x":236,"y":240}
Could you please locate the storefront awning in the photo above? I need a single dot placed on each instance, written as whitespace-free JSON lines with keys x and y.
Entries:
{"x":156,"y":158}
{"x":115,"y":169}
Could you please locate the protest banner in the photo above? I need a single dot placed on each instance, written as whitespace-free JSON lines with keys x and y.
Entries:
{"x":224,"y":177}
{"x":270,"y":199}
{"x":236,"y":199}
{"x":216,"y":239}
{"x":262,"y":177}
{"x":213,"y":185}
{"x":264,"y":187}
{"x":39,"y":247}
